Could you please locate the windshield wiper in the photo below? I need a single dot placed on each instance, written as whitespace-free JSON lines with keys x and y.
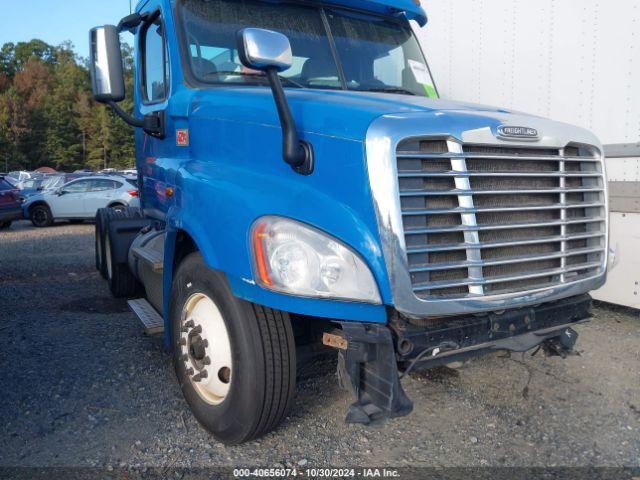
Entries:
{"x":256,"y":75}
{"x":389,"y":90}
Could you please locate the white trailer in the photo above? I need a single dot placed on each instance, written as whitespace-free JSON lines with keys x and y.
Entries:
{"x":576,"y":61}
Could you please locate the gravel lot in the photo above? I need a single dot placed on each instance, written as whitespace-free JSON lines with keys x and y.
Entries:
{"x":82,"y":386}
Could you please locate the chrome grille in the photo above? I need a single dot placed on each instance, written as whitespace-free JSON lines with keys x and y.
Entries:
{"x":488,"y":220}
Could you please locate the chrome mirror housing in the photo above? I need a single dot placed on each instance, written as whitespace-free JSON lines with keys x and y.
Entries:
{"x":263,"y":49}
{"x":105,"y":63}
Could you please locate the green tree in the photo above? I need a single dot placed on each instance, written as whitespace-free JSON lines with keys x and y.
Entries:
{"x":47,"y":113}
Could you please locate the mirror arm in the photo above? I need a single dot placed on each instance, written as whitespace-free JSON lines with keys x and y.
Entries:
{"x":153,"y":123}
{"x":296,"y":152}
{"x":134,"y":122}
{"x":131,"y":22}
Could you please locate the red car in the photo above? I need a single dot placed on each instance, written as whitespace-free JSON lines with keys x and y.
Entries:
{"x":10,"y":208}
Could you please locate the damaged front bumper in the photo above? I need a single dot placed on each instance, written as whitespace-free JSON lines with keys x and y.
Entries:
{"x":373,"y":358}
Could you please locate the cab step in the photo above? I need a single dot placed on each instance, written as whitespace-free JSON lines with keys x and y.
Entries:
{"x":150,"y":318}
{"x":153,"y":257}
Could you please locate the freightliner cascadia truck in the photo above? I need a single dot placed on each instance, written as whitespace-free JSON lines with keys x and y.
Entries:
{"x":302,"y":187}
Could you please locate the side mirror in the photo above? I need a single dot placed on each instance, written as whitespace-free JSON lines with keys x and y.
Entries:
{"x":107,"y":75}
{"x":271,"y":52}
{"x":105,"y":63}
{"x":60,"y":192}
{"x":261,"y":49}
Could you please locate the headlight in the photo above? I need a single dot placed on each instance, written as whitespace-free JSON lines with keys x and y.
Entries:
{"x":294,"y":258}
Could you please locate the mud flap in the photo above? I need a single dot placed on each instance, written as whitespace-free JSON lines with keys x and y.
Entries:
{"x":368,"y":368}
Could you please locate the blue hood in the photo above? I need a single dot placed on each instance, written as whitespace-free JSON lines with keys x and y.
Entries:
{"x":342,"y":114}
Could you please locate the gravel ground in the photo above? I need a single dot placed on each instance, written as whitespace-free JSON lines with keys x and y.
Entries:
{"x":82,"y":386}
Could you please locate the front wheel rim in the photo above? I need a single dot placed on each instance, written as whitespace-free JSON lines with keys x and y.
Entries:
{"x":205,"y":348}
{"x":40,"y":216}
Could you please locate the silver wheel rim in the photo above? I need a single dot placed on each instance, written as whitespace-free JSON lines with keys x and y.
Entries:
{"x":107,"y":255}
{"x":205,"y":348}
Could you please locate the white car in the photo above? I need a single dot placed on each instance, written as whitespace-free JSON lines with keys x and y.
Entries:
{"x":80,"y":199}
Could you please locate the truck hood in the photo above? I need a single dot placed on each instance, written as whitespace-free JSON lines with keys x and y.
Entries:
{"x":342,"y":114}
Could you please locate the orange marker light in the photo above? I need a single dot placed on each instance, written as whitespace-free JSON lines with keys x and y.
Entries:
{"x":169,"y":192}
{"x":261,"y":261}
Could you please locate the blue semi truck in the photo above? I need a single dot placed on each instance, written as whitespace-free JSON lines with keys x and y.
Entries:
{"x":302,"y":185}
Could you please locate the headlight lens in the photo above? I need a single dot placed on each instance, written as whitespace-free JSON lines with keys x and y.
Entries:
{"x":294,"y":258}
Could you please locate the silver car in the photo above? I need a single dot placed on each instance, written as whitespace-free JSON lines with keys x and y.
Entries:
{"x":80,"y":199}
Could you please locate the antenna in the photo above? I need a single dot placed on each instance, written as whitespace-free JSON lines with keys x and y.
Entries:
{"x":130,"y":9}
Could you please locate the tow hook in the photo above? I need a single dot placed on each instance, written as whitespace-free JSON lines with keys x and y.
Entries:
{"x":562,"y":345}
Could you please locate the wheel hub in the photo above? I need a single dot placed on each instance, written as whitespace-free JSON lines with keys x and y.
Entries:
{"x":205,"y":348}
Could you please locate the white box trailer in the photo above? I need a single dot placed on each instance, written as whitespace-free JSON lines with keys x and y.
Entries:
{"x":576,"y":61}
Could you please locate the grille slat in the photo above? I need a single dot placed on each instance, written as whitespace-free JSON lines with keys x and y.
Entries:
{"x":505,"y":278}
{"x":469,"y":156}
{"x":486,"y":220}
{"x":508,"y":243}
{"x":506,"y":208}
{"x":504,"y":261}
{"x":453,"y":173}
{"x":464,"y":228}
{"x":454,"y":191}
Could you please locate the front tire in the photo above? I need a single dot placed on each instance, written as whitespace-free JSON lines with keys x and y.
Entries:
{"x":235,"y":361}
{"x":41,"y":216}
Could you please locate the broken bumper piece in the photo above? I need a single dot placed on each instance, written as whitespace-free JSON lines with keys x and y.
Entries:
{"x":372,"y":357}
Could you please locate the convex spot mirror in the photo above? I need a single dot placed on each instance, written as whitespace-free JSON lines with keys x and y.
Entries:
{"x":262,"y":49}
{"x":105,"y":62}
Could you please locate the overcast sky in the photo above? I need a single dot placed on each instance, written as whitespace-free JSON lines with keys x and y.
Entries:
{"x":55,"y":21}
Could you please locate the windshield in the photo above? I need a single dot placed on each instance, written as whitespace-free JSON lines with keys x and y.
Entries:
{"x":371,"y":53}
{"x":31,"y":183}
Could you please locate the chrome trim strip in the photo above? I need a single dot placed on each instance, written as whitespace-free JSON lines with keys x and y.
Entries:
{"x":383,"y":138}
{"x":563,"y":217}
{"x":468,"y":220}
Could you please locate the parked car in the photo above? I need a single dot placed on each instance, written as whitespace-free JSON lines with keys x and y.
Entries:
{"x":30,"y":187}
{"x":80,"y":199}
{"x":10,"y":209}
{"x":18,"y":176}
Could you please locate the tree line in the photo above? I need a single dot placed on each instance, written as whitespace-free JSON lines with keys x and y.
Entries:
{"x":48,"y":116}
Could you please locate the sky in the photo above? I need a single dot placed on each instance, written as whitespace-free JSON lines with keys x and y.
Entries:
{"x":55,"y":21}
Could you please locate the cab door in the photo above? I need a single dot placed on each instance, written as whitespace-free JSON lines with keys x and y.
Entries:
{"x":153,"y":84}
{"x":102,"y":192}
{"x":68,"y":202}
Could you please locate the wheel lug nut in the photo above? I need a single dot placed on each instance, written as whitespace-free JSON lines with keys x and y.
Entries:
{"x":197,"y":330}
{"x":200,"y":376}
{"x":189,"y":371}
{"x":206,"y":361}
{"x":189,"y":324}
{"x":205,"y":343}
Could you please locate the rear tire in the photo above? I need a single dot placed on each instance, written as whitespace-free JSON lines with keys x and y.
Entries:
{"x":121,"y":281}
{"x":41,"y":216}
{"x":261,"y":371}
